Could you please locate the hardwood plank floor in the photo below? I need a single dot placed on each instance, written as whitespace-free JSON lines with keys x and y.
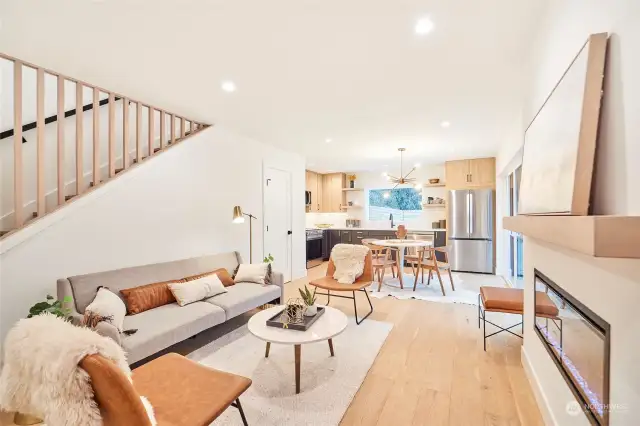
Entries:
{"x":432,"y":369}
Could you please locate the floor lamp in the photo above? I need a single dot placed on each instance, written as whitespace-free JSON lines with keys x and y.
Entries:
{"x":238,"y":217}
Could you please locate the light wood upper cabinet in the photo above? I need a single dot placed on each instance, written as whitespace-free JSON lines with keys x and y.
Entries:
{"x":333,"y":197}
{"x":482,"y":172}
{"x":456,"y":174}
{"x":314,"y":185}
{"x":474,"y":173}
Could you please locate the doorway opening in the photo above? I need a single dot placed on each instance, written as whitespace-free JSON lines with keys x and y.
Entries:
{"x":515,"y":241}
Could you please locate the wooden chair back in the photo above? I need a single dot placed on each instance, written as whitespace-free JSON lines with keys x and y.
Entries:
{"x":367,"y":273}
{"x":377,"y":251}
{"x":446,"y":250}
{"x":116,"y":397}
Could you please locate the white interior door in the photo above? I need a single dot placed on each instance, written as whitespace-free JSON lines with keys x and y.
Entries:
{"x":277,"y":219}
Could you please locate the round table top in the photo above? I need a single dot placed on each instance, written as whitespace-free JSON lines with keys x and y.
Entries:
{"x":402,"y":243}
{"x":330,"y":324}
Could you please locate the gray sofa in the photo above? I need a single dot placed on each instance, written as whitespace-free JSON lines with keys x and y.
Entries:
{"x":166,"y":325}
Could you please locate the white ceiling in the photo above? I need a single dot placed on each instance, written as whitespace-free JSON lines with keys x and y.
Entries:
{"x":350,"y":70}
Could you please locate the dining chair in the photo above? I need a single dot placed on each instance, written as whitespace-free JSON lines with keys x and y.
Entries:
{"x":381,"y":259}
{"x":428,"y":261}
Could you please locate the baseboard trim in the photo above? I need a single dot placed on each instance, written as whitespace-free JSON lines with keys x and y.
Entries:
{"x":541,"y":399}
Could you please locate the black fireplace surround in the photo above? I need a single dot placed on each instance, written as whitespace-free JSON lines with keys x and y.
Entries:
{"x":578,"y":341}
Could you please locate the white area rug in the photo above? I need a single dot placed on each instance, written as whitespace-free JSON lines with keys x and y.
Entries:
{"x":327,"y":384}
{"x":467,"y":288}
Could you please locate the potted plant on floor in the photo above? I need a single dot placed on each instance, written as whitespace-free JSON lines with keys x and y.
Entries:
{"x":309,"y":300}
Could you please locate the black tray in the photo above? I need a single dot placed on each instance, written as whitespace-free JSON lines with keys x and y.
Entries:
{"x":275,"y":321}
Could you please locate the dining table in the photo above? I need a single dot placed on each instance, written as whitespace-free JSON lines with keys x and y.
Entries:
{"x":401,"y":246}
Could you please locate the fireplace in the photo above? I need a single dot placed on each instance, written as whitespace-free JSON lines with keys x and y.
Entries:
{"x":578,"y":341}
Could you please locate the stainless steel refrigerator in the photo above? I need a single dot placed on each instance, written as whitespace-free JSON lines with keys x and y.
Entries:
{"x":471,"y":230}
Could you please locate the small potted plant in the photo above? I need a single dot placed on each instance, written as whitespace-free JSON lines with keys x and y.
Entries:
{"x":309,"y":300}
{"x":352,"y":181}
{"x":58,"y":308}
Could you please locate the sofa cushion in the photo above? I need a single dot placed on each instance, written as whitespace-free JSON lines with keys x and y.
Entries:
{"x":222,"y":274}
{"x":145,"y":297}
{"x":166,"y":325}
{"x":243,"y":297}
{"x":85,"y":287}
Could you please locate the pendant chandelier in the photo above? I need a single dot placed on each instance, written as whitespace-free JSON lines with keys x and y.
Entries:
{"x":403,"y":179}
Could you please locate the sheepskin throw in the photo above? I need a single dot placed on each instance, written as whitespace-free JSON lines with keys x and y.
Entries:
{"x":41,"y":375}
{"x":349,"y":262}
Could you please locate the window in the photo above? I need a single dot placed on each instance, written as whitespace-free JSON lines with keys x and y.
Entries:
{"x":403,"y":203}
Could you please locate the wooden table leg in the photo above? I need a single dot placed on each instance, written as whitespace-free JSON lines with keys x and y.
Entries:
{"x":266,"y":351}
{"x":331,"y":347}
{"x":297,"y":350}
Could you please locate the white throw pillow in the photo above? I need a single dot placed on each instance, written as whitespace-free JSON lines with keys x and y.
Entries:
{"x":258,"y":273}
{"x":108,"y":304}
{"x":193,"y":291}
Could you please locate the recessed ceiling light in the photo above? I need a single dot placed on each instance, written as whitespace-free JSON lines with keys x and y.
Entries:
{"x":445,"y":124}
{"x":228,"y":86}
{"x":424,"y":26}
{"x":328,"y":140}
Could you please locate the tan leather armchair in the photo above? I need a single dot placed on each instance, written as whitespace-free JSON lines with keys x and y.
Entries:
{"x":330,"y":284}
{"x":182,"y":392}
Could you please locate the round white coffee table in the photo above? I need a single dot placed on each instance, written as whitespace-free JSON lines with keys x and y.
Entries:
{"x":329,"y":325}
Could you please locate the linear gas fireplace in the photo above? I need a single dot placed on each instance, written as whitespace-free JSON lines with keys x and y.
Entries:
{"x":578,"y":341}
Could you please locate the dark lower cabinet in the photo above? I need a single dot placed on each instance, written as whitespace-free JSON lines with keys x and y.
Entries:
{"x":332,"y":238}
{"x":440,"y":240}
{"x":345,"y":237}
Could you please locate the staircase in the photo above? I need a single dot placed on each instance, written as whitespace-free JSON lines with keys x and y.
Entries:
{"x":65,"y":137}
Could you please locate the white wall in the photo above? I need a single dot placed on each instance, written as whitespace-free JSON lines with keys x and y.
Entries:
{"x":177,"y":205}
{"x":375,"y":180}
{"x":561,"y":34}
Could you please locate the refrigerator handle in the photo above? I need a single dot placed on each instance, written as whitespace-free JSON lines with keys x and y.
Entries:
{"x":471,"y":213}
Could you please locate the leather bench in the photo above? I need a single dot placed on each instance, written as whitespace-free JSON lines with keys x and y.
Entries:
{"x":510,"y":301}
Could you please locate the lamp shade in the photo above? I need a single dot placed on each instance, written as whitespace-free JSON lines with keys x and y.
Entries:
{"x":238,"y":217}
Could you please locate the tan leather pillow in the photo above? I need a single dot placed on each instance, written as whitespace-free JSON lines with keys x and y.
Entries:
{"x":145,"y":297}
{"x":222,"y":273}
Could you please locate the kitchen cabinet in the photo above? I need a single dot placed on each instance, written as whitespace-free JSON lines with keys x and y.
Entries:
{"x":346,"y":237}
{"x":333,"y":196}
{"x":358,"y":236}
{"x":314,"y":185}
{"x":456,"y":173}
{"x":473,"y":173}
{"x":332,"y":237}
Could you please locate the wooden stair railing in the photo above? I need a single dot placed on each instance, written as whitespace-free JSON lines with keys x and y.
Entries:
{"x":187,"y":127}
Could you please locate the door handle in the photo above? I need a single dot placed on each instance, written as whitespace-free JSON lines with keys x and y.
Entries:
{"x":471,"y":213}
{"x":289,"y":232}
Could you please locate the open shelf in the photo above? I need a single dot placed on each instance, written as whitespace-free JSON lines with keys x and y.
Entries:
{"x":434,"y":185}
{"x":353,"y":189}
{"x":433,"y":206}
{"x":350,"y":207}
{"x":598,"y":236}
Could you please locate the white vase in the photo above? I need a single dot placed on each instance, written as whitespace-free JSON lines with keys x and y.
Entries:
{"x":311,"y":311}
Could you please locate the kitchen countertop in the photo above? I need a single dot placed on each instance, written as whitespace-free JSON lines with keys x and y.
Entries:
{"x":409,"y":231}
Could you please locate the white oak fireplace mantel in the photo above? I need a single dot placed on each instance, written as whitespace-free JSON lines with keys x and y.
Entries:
{"x":598,"y":236}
